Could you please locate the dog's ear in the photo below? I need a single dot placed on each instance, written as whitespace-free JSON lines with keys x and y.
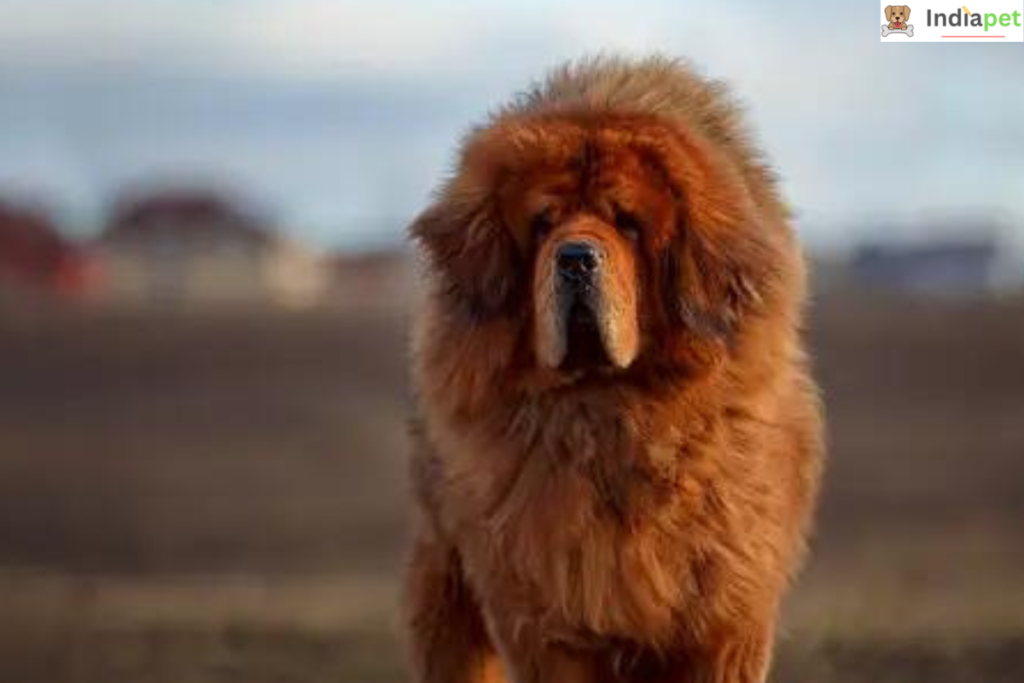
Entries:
{"x":467,"y":243}
{"x":906,"y":13}
{"x":474,"y":257}
{"x":716,"y":267}
{"x":888,"y":13}
{"x":709,"y":289}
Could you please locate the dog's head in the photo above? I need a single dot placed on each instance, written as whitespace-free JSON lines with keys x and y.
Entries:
{"x":611,"y":242}
{"x":897,"y":13}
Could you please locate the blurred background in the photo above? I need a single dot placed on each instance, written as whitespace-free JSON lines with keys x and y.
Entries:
{"x":204,"y":292}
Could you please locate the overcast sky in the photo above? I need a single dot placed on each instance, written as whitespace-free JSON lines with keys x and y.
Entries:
{"x":340,"y":116}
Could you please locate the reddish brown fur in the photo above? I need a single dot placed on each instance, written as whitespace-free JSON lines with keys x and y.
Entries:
{"x":639,"y":524}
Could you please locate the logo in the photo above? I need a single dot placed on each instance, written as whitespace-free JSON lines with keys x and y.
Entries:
{"x":942,"y":22}
{"x":897,"y":16}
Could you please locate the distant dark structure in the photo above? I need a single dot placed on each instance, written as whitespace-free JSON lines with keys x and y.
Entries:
{"x":34,"y":256}
{"x":178,"y":217}
{"x":951,"y":267}
{"x":197,"y":247}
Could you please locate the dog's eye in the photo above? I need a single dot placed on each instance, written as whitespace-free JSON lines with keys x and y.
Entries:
{"x":542,"y":223}
{"x":628,"y":224}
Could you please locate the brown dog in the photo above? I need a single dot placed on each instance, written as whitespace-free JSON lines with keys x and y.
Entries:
{"x":898,"y":15}
{"x":618,"y":445}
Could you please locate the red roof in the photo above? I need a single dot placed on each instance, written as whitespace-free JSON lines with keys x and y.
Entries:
{"x":32,"y":252}
{"x":184,"y":215}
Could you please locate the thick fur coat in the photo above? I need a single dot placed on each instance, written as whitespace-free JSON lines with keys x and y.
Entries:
{"x":624,"y":498}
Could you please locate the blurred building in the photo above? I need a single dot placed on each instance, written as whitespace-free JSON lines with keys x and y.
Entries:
{"x":194,"y":247}
{"x":34,"y":256}
{"x":965,"y":266}
{"x":374,"y":279}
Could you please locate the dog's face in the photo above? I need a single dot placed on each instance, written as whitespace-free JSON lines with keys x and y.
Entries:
{"x":586,"y":222}
{"x":609,"y":243}
{"x":897,"y":13}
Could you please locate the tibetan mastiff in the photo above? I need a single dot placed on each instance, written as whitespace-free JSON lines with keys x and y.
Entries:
{"x":618,"y":441}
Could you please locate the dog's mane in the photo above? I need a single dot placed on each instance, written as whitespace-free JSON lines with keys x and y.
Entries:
{"x":659,"y":86}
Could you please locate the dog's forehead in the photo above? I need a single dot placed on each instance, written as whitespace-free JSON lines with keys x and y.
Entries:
{"x":590,"y":180}
{"x":556,"y":163}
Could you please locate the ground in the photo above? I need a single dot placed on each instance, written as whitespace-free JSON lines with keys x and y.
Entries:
{"x":203,"y":498}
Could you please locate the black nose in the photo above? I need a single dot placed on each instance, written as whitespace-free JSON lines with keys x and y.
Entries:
{"x":577,"y":260}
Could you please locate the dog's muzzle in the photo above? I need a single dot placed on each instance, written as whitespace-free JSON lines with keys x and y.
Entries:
{"x":578,"y":265}
{"x":585,"y":315}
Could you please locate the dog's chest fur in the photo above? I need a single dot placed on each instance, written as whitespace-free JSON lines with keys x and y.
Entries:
{"x":585,"y":530}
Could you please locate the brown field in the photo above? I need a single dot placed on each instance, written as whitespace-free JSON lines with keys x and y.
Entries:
{"x":212,"y":498}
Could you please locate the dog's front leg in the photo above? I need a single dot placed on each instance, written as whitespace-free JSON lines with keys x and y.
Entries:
{"x":528,"y":659}
{"x":742,"y":656}
{"x":448,"y":641}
